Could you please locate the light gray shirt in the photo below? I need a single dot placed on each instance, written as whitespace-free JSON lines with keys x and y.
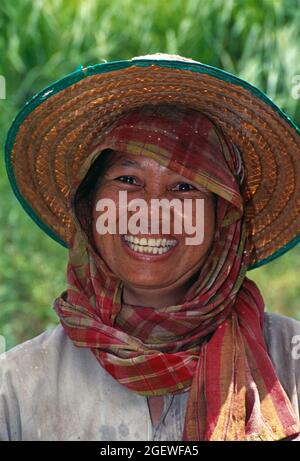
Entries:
{"x":53,"y":390}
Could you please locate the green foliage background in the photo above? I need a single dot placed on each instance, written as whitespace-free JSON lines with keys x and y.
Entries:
{"x":42,"y":40}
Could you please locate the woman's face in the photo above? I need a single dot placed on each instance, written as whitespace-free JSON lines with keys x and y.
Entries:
{"x":157,"y":260}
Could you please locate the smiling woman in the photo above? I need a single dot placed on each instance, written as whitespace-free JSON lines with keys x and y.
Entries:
{"x":160,"y":338}
{"x":157,"y":261}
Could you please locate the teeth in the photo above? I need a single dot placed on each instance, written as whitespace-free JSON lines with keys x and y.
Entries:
{"x":151,"y":245}
{"x":151,"y":242}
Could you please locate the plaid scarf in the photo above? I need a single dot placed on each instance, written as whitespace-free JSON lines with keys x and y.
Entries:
{"x":212,"y":344}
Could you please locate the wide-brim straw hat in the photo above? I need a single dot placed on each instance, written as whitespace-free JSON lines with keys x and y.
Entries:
{"x":51,"y":137}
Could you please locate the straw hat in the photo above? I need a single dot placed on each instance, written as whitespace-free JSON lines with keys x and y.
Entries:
{"x":52,"y":134}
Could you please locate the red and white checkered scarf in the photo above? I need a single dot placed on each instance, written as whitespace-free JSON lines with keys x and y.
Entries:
{"x":212,"y":344}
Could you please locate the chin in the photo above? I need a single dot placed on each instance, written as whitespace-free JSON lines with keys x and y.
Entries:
{"x":144,"y":283}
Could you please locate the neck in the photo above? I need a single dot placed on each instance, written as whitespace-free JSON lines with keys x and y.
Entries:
{"x":159,"y":297}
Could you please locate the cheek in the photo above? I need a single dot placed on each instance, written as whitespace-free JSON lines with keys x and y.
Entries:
{"x":204,"y":220}
{"x":97,"y":238}
{"x":209,"y":223}
{"x":194,"y":253}
{"x":106,"y":248}
{"x":107,"y":194}
{"x":103,"y":243}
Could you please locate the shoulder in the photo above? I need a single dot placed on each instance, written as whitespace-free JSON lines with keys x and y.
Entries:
{"x":46,"y":366}
{"x":34,"y":351}
{"x":37,"y":378}
{"x":42,"y":363}
{"x":43,"y":357}
{"x":25,"y":371}
{"x":282,"y":336}
{"x":47,"y":337}
{"x":280,"y":330}
{"x":42,"y":382}
{"x":24,"y":367}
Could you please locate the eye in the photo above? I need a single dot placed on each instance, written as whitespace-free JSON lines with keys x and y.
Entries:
{"x":127,"y":179}
{"x":183,"y":187}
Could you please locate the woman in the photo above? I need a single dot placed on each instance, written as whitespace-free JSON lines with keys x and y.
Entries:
{"x":159,"y":339}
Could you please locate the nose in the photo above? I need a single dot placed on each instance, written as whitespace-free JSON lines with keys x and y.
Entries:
{"x":154,"y":188}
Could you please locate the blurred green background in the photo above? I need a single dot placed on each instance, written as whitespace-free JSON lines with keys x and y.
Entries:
{"x":42,"y":40}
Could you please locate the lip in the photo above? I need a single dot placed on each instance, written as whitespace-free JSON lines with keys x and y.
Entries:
{"x":149,"y":256}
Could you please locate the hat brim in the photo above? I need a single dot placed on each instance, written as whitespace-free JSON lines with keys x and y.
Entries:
{"x":52,"y":135}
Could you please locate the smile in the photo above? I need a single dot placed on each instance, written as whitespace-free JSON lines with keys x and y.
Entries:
{"x":150,"y":245}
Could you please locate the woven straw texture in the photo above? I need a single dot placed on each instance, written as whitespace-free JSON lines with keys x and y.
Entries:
{"x":51,"y":142}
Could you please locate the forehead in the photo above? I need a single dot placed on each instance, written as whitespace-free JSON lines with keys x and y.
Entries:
{"x":124,"y":159}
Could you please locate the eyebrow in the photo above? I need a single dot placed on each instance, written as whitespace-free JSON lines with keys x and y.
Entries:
{"x":130,"y":163}
{"x":126,"y":162}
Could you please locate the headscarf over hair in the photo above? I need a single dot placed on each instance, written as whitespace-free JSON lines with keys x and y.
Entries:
{"x":212,"y":344}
